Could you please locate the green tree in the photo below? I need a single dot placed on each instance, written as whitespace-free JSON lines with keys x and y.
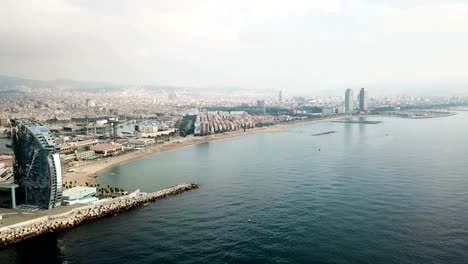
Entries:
{"x":186,"y":125}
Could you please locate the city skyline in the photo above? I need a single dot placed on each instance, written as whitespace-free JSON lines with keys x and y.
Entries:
{"x":398,"y":89}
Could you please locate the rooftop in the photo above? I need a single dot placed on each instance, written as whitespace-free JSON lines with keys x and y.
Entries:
{"x":104,"y":147}
{"x":78,"y":192}
{"x":41,"y":132}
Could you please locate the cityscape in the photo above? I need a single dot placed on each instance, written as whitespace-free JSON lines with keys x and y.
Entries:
{"x":51,"y":138}
{"x":318,"y":131}
{"x":49,"y":144}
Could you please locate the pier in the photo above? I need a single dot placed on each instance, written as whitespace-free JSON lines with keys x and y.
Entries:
{"x":324,"y":133}
{"x":57,"y":222}
{"x":366,"y":122}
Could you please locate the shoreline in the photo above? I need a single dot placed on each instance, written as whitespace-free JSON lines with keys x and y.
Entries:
{"x":89,"y":173}
{"x":45,"y":223}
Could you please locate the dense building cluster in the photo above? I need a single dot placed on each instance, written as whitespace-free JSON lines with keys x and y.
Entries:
{"x":64,"y":103}
{"x":219,"y":122}
{"x":61,"y":126}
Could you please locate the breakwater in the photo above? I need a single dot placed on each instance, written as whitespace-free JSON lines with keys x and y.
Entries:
{"x":324,"y":133}
{"x":366,"y":122}
{"x":53,"y":223}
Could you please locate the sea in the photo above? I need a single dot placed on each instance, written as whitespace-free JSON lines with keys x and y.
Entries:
{"x":394,"y":192}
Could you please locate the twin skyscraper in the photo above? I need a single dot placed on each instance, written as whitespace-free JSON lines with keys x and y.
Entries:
{"x":362,"y":99}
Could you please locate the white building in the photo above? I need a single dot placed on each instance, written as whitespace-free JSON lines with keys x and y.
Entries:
{"x":79,"y":194}
{"x":328,"y":111}
{"x":156,"y":134}
{"x":148,"y":129}
{"x":140,"y":143}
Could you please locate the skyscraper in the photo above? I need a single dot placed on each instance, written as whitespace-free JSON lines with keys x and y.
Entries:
{"x":261,"y":105}
{"x":37,"y":167}
{"x":280,"y":96}
{"x":349,"y":101}
{"x":363,"y":100}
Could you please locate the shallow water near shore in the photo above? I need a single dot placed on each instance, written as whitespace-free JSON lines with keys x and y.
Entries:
{"x":395,"y":192}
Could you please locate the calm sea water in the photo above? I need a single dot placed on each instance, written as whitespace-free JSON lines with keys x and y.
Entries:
{"x":396,"y":192}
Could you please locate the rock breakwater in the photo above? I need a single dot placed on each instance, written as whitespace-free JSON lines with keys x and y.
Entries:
{"x":53,"y":223}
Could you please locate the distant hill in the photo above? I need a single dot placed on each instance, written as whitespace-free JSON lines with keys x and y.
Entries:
{"x":9,"y":84}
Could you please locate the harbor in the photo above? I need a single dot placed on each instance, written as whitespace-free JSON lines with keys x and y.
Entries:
{"x":49,"y":223}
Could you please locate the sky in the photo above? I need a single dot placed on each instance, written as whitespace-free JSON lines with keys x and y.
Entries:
{"x":293,"y":45}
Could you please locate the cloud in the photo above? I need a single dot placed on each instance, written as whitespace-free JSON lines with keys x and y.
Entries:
{"x":457,"y":12}
{"x":426,"y":18}
{"x":391,"y":11}
{"x":252,"y":43}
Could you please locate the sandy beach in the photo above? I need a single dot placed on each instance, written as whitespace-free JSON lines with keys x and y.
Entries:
{"x":89,"y":172}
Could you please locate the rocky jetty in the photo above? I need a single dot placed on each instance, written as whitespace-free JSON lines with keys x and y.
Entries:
{"x":53,"y":223}
{"x":324,"y":133}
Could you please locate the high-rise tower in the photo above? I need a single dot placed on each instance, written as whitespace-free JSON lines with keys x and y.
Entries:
{"x":363,"y":100}
{"x":37,"y":167}
{"x":349,"y":101}
{"x":261,"y":106}
{"x":280,"y":96}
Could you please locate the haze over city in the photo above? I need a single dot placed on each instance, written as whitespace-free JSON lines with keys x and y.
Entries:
{"x":309,"y":47}
{"x":233,"y":131}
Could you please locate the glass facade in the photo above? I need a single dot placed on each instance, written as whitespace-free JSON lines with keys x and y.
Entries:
{"x":37,"y":168}
{"x":349,"y":101}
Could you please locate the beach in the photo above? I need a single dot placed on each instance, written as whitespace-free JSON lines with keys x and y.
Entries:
{"x":88,"y":173}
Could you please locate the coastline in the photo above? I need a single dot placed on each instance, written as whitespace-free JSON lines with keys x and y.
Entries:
{"x":48,"y":222}
{"x":88,"y":173}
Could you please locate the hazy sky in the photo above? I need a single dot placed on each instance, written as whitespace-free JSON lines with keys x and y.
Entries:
{"x":294,"y":45}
